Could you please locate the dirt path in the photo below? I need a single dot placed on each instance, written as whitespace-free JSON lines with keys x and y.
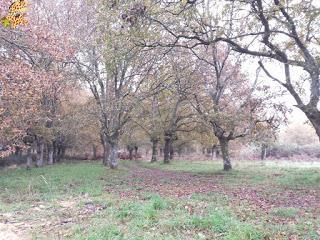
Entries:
{"x":46,"y":220}
{"x":9,"y":232}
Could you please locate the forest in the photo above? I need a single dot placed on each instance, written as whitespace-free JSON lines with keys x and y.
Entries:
{"x":158,"y":119}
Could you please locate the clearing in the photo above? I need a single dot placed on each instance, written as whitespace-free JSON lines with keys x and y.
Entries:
{"x":183,"y":200}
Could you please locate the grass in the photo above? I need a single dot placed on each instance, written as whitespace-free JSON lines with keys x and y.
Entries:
{"x":70,"y":201}
{"x":286,"y":212}
{"x":252,"y":173}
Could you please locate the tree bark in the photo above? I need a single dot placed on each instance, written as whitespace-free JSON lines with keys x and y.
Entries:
{"x":106,"y":151}
{"x":17,"y":151}
{"x":263,"y":152}
{"x":224,"y":144}
{"x":214,"y":151}
{"x":179,"y":151}
{"x":50,"y":154}
{"x":130,"y":149}
{"x":314,"y":117}
{"x":154,"y":150}
{"x":29,"y":158}
{"x":62,"y":152}
{"x":171,"y":153}
{"x":54,"y":147}
{"x":59,"y":153}
{"x":94,"y":152}
{"x":113,"y":156}
{"x":130,"y":153}
{"x":166,"y":151}
{"x":136,"y":152}
{"x":40,"y":148}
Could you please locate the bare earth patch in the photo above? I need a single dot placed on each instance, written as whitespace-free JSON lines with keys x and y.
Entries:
{"x":9,"y":232}
{"x":46,"y":219}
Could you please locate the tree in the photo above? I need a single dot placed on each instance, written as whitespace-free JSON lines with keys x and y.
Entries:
{"x":176,"y":112}
{"x":114,"y":69}
{"x":32,"y":78}
{"x":274,"y":30}
{"x":148,"y":119}
{"x":225,"y":99}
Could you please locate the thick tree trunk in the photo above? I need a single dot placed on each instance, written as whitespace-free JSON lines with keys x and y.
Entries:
{"x":171,"y":155}
{"x":59,"y":153}
{"x":29,"y":158}
{"x":224,"y":144}
{"x":179,"y":151}
{"x":263,"y":152}
{"x":54,"y":146}
{"x":154,"y":150}
{"x":106,"y":151}
{"x":314,"y":117}
{"x":50,"y":154}
{"x":213,"y":151}
{"x":130,"y":153}
{"x":40,"y":148}
{"x":217,"y":153}
{"x":136,"y":152}
{"x":17,"y":151}
{"x":166,"y":151}
{"x":94,"y":152}
{"x":113,"y":157}
{"x":62,"y":152}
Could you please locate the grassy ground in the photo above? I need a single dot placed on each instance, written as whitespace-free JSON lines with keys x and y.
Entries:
{"x":183,"y":200}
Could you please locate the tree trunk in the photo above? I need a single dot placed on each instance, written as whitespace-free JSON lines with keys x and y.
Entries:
{"x":40,"y":148}
{"x":106,"y":151}
{"x":154,"y":150}
{"x":50,"y":154}
{"x":94,"y":152}
{"x":179,"y":151}
{"x":59,"y":153}
{"x":171,"y":155}
{"x":314,"y":117}
{"x":166,"y":151}
{"x":54,"y":148}
{"x":130,"y":153}
{"x":263,"y":152}
{"x":217,"y":153}
{"x":62,"y":152}
{"x":113,"y":157}
{"x":213,"y":151}
{"x":29,"y":158}
{"x":130,"y":149}
{"x":135,"y":152}
{"x":224,"y":144}
{"x":17,"y":151}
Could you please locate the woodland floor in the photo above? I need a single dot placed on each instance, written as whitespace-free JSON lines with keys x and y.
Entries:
{"x":183,"y":200}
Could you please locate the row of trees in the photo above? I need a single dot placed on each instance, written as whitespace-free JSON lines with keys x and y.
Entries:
{"x":108,"y":71}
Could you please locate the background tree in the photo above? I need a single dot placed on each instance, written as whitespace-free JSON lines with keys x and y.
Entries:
{"x":273,"y":31}
{"x":227,"y":101}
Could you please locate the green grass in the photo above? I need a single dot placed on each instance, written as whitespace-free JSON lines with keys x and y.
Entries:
{"x":286,"y":212}
{"x":65,"y":194}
